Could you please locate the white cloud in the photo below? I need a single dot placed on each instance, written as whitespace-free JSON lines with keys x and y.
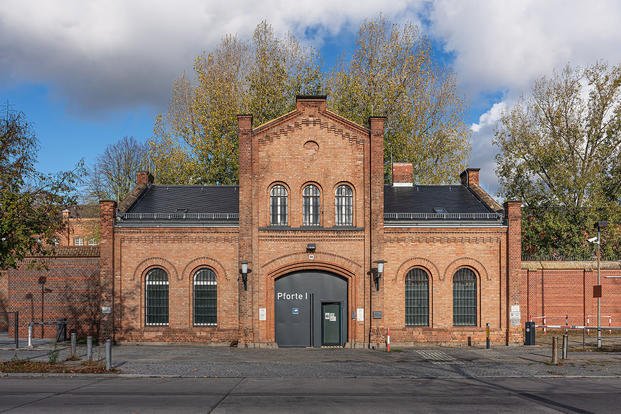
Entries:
{"x":507,"y":44}
{"x":115,"y":53}
{"x":483,"y":150}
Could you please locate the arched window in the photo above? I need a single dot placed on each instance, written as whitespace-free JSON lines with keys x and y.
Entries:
{"x":464,"y":298}
{"x":205,"y":297}
{"x":156,"y":297}
{"x":417,"y":298}
{"x":310,"y":206}
{"x":278,"y":205}
{"x":344,"y":206}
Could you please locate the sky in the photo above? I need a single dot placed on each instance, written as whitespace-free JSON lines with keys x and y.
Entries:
{"x":86,"y":73}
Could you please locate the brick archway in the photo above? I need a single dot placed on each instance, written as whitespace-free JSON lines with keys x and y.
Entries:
{"x":288,"y":264}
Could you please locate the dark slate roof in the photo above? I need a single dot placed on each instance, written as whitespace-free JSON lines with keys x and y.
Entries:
{"x":220,"y":204}
{"x":434,"y":202}
{"x":186,"y":203}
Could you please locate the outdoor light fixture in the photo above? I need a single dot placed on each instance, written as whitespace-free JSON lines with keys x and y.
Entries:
{"x":311,"y":247}
{"x":244,"y":273}
{"x":377,"y":272}
{"x":597,"y":289}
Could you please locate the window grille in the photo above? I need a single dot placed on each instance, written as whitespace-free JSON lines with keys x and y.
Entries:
{"x":205,"y":298}
{"x":310,"y":207}
{"x":78,"y":241}
{"x":344,"y":205}
{"x":156,"y":297}
{"x":417,"y":298}
{"x":464,"y":298}
{"x":278,"y":206}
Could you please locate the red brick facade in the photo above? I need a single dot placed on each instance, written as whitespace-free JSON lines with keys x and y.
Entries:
{"x":311,"y":145}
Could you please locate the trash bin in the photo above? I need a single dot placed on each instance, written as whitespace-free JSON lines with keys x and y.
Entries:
{"x":61,"y":330}
{"x":529,"y":333}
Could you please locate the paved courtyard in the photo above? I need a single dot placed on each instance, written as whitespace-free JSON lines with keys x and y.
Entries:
{"x":427,"y":362}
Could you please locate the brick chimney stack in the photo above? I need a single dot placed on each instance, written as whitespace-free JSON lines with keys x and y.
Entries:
{"x":402,"y":173}
{"x":144,"y":178}
{"x":470,"y":177}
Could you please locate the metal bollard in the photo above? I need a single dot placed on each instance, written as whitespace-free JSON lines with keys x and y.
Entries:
{"x":488,"y":341}
{"x":108,"y":354}
{"x":74,"y":344}
{"x":564,"y":346}
{"x":555,"y":350}
{"x":89,"y":348}
{"x":30,"y":335}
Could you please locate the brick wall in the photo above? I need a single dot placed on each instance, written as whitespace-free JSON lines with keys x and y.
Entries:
{"x":180,"y":252}
{"x":72,"y":276}
{"x":560,"y":290}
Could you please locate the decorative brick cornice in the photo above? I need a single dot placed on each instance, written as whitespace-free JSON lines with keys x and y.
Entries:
{"x":349,"y":134}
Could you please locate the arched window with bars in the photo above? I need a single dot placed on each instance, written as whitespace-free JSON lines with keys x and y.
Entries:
{"x":205,"y":298}
{"x":344,"y":206}
{"x":310,"y":205}
{"x":417,"y":298}
{"x":464,"y":298}
{"x":156,"y":297}
{"x":278,"y":205}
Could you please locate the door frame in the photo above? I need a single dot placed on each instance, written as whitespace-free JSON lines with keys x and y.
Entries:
{"x":339,"y":322}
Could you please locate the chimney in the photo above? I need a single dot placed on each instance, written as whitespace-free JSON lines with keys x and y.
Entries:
{"x":470,"y":177}
{"x":402,"y":174}
{"x":313,"y":102}
{"x":144,"y":178}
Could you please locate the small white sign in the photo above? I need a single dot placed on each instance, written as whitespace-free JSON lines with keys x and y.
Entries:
{"x":262,"y":314}
{"x":332,"y":317}
{"x":106,"y":310}
{"x":515,"y":315}
{"x":360,"y":314}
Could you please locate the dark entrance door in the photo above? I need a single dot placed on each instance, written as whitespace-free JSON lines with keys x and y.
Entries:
{"x":298,"y":305}
{"x":331,"y":323}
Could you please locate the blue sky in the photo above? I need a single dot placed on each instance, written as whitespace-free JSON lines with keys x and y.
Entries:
{"x":87,"y":73}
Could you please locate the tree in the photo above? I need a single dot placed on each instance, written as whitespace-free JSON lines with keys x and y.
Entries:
{"x":114,"y":173}
{"x":560,"y":153}
{"x":261,"y":77}
{"x":30,"y":202}
{"x":391,"y":74}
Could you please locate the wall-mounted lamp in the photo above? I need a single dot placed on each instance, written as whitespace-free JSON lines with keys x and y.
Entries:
{"x":377,"y":272}
{"x":311,"y":247}
{"x":244,"y":273}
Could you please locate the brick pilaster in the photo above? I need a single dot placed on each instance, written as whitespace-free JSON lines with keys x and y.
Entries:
{"x":513,"y":217}
{"x":246,"y":225}
{"x":376,"y":206}
{"x":107,"y":213}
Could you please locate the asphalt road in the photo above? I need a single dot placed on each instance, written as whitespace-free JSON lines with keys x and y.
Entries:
{"x":319,"y":395}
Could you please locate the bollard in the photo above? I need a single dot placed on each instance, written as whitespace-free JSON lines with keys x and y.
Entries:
{"x":89,"y":348}
{"x":30,"y":335}
{"x":564,"y":347}
{"x":74,"y":344}
{"x":555,"y":350}
{"x":487,"y":338}
{"x":16,"y":329}
{"x":108,"y":354}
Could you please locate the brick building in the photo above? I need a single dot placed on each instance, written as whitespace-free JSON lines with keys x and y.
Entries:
{"x":312,"y":248}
